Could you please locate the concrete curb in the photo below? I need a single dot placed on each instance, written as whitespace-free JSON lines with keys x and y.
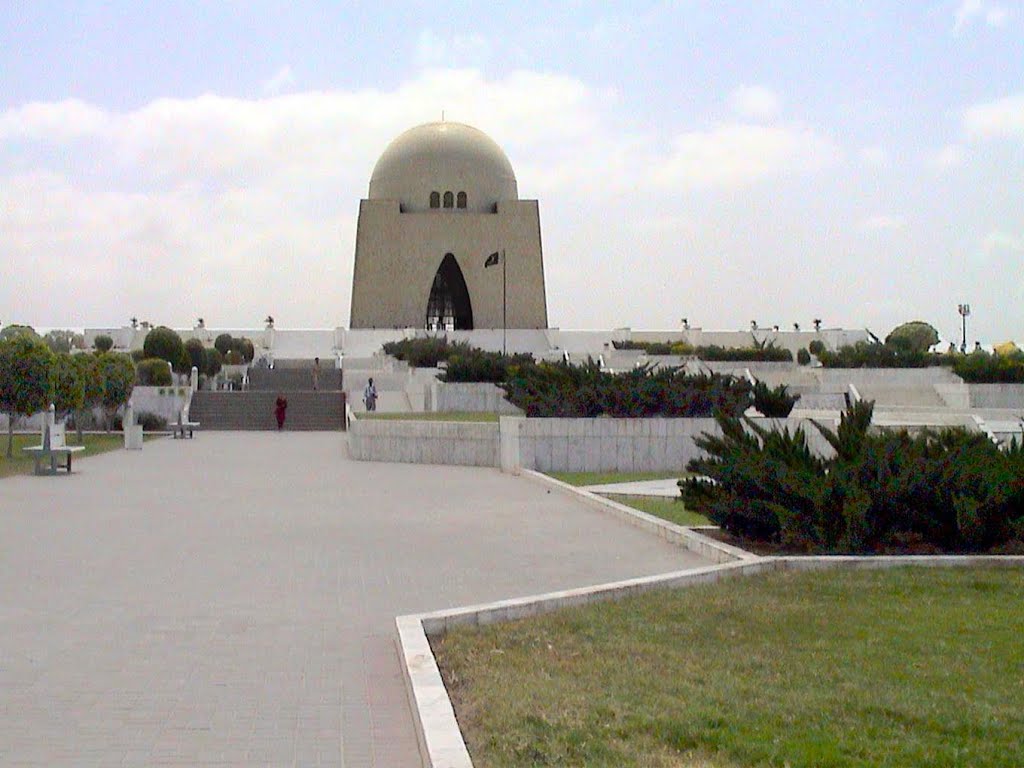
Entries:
{"x":705,"y":546}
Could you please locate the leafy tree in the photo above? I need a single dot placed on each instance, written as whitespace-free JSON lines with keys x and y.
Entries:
{"x":223,"y":343}
{"x":917,"y":336}
{"x":66,"y":385}
{"x":14,"y":329}
{"x":214,"y":361}
{"x":166,"y":344}
{"x":118,"y":381}
{"x":196,"y":354}
{"x":91,"y":376}
{"x":103,"y":343}
{"x":63,"y":341}
{"x":246,"y":349}
{"x":25,"y":363}
{"x":153,"y":372}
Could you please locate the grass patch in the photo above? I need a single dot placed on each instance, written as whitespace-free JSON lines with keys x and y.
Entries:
{"x":906,"y":667}
{"x":604,"y":478}
{"x":22,"y":463}
{"x":430,"y":416}
{"x":671,"y":509}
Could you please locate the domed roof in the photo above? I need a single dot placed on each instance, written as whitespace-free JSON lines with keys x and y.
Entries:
{"x":443,"y":157}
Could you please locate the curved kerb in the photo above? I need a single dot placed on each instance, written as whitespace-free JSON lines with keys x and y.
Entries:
{"x":437,"y":730}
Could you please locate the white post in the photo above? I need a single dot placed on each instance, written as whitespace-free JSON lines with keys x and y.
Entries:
{"x":132,"y":431}
{"x":195,"y":379}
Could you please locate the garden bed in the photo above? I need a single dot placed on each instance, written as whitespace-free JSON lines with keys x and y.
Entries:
{"x":909,"y":667}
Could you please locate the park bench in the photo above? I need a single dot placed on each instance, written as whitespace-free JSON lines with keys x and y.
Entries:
{"x":183,"y":427}
{"x":53,"y":447}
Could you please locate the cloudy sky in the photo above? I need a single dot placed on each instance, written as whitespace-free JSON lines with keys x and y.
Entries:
{"x":860,"y":161}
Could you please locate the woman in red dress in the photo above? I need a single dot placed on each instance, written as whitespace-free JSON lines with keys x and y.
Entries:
{"x":280,"y":408}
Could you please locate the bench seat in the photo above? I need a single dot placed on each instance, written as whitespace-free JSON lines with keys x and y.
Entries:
{"x":184,"y":428}
{"x":64,"y":454}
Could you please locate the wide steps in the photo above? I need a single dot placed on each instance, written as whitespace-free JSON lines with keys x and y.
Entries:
{"x":281,"y":379}
{"x":308,"y":411}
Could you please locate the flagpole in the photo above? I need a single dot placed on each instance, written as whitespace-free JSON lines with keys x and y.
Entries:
{"x":504,"y":320}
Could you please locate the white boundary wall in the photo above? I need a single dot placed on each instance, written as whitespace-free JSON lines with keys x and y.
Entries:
{"x":547,"y":445}
{"x":469,"y":397}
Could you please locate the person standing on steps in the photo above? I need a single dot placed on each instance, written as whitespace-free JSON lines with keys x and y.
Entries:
{"x":316,"y":373}
{"x":280,"y":409}
{"x":370,"y":396}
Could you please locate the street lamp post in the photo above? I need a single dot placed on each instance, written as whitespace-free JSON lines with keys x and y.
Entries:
{"x":965,"y":311}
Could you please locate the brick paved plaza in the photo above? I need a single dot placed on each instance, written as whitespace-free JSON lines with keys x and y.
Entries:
{"x":230,"y":600}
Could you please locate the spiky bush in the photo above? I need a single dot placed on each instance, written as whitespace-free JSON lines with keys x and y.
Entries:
{"x":777,"y":402}
{"x":950,"y":490}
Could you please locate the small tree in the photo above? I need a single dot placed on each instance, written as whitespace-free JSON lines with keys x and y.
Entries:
{"x":214,"y":361}
{"x":25,"y":363}
{"x":10,"y":331}
{"x":166,"y":344}
{"x":223,"y":343}
{"x":246,"y":349}
{"x":118,"y":381}
{"x":916,"y":336}
{"x":66,"y":385}
{"x":196,"y":354}
{"x":63,"y":341}
{"x":103,"y":343}
{"x":153,"y":372}
{"x":91,"y":376}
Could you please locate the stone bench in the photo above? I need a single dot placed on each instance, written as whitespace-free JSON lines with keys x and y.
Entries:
{"x":53,"y":447}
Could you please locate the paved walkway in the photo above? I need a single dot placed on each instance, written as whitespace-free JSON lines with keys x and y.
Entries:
{"x":229,"y":600}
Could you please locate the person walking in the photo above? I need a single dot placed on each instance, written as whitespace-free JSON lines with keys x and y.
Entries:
{"x":316,"y":373}
{"x":280,"y":409}
{"x":370,"y":396}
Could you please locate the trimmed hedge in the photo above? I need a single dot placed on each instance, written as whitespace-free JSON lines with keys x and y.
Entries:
{"x":153,"y":372}
{"x":562,"y":390}
{"x":712,"y":352}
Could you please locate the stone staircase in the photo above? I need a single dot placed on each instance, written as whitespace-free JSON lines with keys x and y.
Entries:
{"x":292,"y":379}
{"x":254,"y":410}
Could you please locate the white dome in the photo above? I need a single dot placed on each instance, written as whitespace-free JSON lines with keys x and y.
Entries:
{"x":443,"y":157}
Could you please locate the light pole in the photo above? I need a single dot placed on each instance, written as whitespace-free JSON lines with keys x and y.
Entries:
{"x":965,"y":311}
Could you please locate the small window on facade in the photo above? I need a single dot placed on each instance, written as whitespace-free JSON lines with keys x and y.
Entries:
{"x":449,"y":200}
{"x":435,"y":199}
{"x":461,"y":200}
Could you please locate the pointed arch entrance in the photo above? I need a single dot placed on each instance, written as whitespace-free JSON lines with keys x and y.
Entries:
{"x":448,"y":307}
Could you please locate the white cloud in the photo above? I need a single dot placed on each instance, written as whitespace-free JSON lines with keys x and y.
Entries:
{"x":755,"y":103}
{"x":970,"y":10}
{"x":737,"y":155}
{"x":282,"y":79}
{"x":1002,"y":118}
{"x":950,"y":156}
{"x":882,"y":223}
{"x":433,"y":50}
{"x":999,"y":240}
{"x":875,"y":157}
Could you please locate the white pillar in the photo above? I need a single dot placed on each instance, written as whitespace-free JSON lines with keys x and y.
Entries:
{"x":195,"y":379}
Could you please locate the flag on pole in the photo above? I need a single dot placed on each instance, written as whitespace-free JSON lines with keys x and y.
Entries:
{"x":493,"y":260}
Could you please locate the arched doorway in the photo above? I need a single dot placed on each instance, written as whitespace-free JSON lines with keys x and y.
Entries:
{"x":448,"y":307}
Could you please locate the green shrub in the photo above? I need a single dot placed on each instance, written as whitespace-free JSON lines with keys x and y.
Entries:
{"x":245,"y":348}
{"x":67,"y":385}
{"x":865,"y":354}
{"x":151,"y":422}
{"x":153,"y":372}
{"x":950,"y":489}
{"x":768,"y":353}
{"x":982,"y":368}
{"x":223,"y":343}
{"x":196,"y":354}
{"x":816,"y":347}
{"x":656,"y":347}
{"x":803,"y":357}
{"x":477,"y":365}
{"x":233,"y":357}
{"x":559,"y":389}
{"x":138,"y":355}
{"x":213,"y":362}
{"x":166,"y":344}
{"x":916,"y":336}
{"x":103,"y":343}
{"x":776,"y":403}
{"x":118,"y":372}
{"x":426,"y":352}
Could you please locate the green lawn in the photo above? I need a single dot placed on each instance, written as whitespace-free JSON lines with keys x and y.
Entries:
{"x":21,"y":463}
{"x":430,"y":416}
{"x":671,"y":509}
{"x":908,"y":667}
{"x":604,"y":478}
